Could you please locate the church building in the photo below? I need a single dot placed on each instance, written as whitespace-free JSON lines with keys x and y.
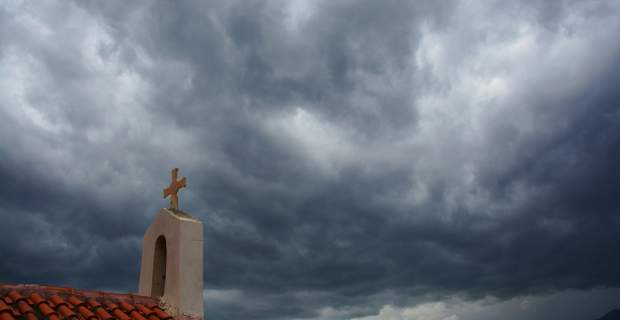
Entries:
{"x":170,"y":284}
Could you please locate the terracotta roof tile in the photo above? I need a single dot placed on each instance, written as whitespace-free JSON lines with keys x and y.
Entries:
{"x":99,"y":310}
{"x":24,"y":307}
{"x":136,"y":315}
{"x":103,"y":315}
{"x":86,"y":313}
{"x":33,"y":302}
{"x":15,"y":296}
{"x":126,"y":306}
{"x":120,"y":314}
{"x":110,"y":305}
{"x":46,"y":310}
{"x":75,"y":301}
{"x":61,"y":306}
{"x":36,"y":298}
{"x":93,"y":303}
{"x":145,"y":310}
{"x":6,"y":316}
{"x":26,"y":310}
{"x":4,"y":307}
{"x":161,"y":313}
{"x":66,"y":312}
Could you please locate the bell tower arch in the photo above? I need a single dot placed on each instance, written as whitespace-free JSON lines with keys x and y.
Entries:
{"x":159,"y":268}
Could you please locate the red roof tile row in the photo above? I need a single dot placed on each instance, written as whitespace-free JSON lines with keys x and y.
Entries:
{"x":32,"y":302}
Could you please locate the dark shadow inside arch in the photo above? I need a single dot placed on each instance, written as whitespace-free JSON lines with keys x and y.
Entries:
{"x":159,"y":268}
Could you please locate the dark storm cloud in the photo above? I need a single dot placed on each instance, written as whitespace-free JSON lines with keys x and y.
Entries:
{"x":343,"y":156}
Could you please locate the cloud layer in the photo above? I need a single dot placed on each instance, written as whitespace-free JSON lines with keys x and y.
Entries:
{"x":344,"y":156}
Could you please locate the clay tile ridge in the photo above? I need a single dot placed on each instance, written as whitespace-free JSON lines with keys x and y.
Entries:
{"x":26,"y":290}
{"x":62,"y":303}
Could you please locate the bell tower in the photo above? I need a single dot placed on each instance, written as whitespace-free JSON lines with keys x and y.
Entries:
{"x":172,"y":259}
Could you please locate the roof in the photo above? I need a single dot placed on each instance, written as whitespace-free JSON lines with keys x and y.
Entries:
{"x":34,"y":302}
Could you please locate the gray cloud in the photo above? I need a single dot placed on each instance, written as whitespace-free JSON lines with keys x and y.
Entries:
{"x":344,"y":156}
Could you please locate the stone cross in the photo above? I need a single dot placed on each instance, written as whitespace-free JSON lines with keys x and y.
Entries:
{"x":173,"y":188}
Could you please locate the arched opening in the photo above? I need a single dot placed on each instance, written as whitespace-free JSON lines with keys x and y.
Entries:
{"x":159,"y":268}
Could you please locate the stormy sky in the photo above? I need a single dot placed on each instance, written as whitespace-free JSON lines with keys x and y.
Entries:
{"x":375,"y":160}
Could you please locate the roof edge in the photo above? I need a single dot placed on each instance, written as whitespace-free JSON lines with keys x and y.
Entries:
{"x":97,"y":294}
